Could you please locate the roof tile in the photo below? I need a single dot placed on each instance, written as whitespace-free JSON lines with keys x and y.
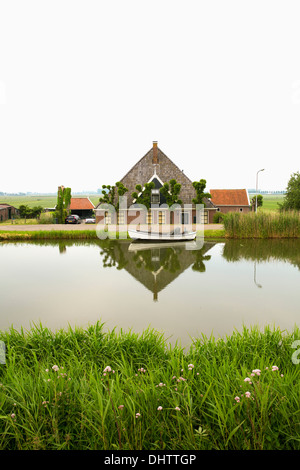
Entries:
{"x":81,"y":203}
{"x":229,"y":197}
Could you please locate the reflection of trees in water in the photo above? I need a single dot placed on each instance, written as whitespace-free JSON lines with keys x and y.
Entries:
{"x":169,"y":259}
{"x":287,"y":250}
{"x":170,"y":262}
{"x":62,"y":247}
{"x":113,"y":254}
{"x":199,"y":265}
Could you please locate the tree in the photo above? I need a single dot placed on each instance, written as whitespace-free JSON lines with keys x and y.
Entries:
{"x":259,"y":201}
{"x":171,"y":191}
{"x":121,"y":190}
{"x":292,"y":196}
{"x":36,"y":211}
{"x":24,"y":211}
{"x":145,"y":194}
{"x":109,"y":193}
{"x":200,"y":194}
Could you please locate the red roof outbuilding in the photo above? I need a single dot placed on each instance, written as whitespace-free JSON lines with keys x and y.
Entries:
{"x":229,"y":197}
{"x":81,"y":203}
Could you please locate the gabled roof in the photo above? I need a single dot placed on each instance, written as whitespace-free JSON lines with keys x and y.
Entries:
{"x":81,"y":203}
{"x":165,"y":169}
{"x":4,"y":206}
{"x":156,"y":165}
{"x":230,"y":197}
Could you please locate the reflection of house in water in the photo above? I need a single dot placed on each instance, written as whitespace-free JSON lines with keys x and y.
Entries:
{"x":155,"y":268}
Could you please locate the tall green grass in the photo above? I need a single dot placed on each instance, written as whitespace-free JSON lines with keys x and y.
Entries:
{"x":262,"y":225}
{"x":153,"y":396}
{"x":89,"y":234}
{"x":49,"y":235}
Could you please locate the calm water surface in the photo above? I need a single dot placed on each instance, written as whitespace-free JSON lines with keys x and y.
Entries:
{"x":181,"y":293}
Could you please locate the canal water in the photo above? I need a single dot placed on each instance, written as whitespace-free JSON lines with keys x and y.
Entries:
{"x":182,"y":293}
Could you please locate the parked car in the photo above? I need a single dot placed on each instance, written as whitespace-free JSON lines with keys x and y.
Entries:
{"x":90,"y":220}
{"x":72,"y":219}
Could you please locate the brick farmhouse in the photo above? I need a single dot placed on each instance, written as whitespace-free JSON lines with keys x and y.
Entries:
{"x":155,"y":166}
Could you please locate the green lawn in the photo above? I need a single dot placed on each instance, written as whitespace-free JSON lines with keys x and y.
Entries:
{"x":19,"y":222}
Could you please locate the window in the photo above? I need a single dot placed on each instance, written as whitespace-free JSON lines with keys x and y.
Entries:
{"x":203,"y":216}
{"x":149,"y":217}
{"x":108,"y":218}
{"x":241,"y":209}
{"x":121,"y":218}
{"x":185,"y":218}
{"x":161,"y":217}
{"x":155,"y":196}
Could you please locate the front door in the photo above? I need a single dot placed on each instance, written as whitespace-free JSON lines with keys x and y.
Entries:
{"x":185,"y":218}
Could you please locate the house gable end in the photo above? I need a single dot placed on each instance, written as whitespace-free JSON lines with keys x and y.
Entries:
{"x":144,"y":171}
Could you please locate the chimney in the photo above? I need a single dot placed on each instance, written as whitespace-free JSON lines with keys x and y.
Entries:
{"x":155,"y":159}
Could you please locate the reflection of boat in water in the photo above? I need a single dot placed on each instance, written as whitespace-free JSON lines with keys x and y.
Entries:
{"x":175,"y":235}
{"x":148,"y":245}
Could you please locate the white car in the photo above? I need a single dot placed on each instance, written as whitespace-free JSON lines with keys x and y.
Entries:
{"x":90,"y":220}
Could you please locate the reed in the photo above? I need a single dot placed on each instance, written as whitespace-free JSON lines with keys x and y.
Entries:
{"x":262,"y":225}
{"x":89,"y":389}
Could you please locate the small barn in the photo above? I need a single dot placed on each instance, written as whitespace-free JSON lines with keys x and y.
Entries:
{"x":82,"y":206}
{"x":230,"y":200}
{"x":7,"y":212}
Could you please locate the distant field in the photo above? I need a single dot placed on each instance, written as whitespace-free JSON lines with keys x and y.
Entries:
{"x":270,"y":201}
{"x":32,"y":201}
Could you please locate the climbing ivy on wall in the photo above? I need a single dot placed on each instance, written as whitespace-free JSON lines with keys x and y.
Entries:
{"x":63,"y":204}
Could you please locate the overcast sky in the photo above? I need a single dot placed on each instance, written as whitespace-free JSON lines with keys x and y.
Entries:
{"x":86,"y":86}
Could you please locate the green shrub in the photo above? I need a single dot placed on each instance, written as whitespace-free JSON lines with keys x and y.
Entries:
{"x":46,"y":218}
{"x":218,"y":217}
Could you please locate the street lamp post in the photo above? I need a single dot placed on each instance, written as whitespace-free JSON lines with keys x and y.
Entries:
{"x":257,"y":188}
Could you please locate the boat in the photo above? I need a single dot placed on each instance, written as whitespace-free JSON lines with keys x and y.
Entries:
{"x":175,"y":235}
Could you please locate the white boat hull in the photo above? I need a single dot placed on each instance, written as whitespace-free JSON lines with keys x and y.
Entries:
{"x":142,"y":235}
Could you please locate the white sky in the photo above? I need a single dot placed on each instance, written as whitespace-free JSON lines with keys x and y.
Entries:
{"x":86,"y":86}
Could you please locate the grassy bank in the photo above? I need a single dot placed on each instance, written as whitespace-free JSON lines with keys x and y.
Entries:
{"x":75,"y":234}
{"x":262,"y":225}
{"x":86,"y":389}
{"x":49,"y":235}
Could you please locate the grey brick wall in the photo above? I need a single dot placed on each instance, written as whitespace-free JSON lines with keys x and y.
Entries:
{"x":144,"y":169}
